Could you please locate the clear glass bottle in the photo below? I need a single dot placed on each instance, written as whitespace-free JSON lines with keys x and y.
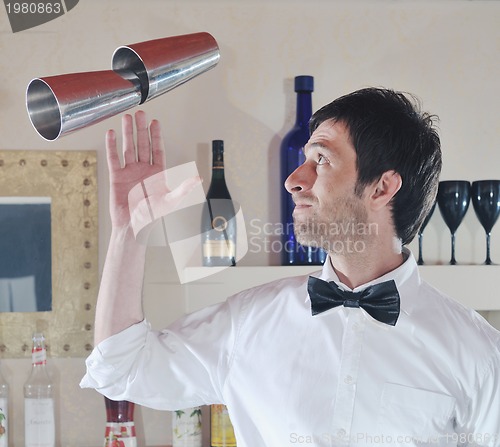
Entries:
{"x":221,"y":428}
{"x":218,"y":227}
{"x":39,"y":415}
{"x":291,"y":157}
{"x":120,"y":425}
{"x":186,"y":427}
{"x":4,"y":411}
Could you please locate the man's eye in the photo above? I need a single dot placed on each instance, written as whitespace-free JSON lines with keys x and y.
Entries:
{"x":322,"y":160}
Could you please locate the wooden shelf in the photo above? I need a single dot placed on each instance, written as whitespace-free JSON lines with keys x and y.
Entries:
{"x":474,"y":286}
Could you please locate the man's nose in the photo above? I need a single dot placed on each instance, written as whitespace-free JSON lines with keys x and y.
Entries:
{"x":300,"y":180}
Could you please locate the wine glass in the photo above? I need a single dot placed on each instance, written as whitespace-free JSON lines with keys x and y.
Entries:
{"x":453,"y":200}
{"x":486,"y":202}
{"x":421,"y":233}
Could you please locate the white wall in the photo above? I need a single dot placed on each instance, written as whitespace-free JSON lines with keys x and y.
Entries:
{"x":445,"y":51}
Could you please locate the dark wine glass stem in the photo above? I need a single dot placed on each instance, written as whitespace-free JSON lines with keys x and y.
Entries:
{"x":488,"y":259}
{"x":453,"y":260}
{"x":420,"y":240}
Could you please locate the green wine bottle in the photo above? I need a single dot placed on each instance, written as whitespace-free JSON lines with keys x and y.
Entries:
{"x":218,"y":226}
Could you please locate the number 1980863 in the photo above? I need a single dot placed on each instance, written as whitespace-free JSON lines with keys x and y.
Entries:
{"x":33,"y":8}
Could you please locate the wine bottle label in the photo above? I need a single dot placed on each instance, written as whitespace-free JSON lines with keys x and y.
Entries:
{"x":186,"y":428}
{"x":4,"y":436}
{"x":120,"y":434}
{"x":39,"y":422}
{"x":38,"y":356}
{"x":222,"y":433}
{"x":219,"y":249}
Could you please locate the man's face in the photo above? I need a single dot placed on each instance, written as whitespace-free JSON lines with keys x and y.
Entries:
{"x":327,"y":211}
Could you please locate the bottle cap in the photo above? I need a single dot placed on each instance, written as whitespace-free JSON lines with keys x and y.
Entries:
{"x":218,"y":145}
{"x":38,"y":336}
{"x":304,"y":83}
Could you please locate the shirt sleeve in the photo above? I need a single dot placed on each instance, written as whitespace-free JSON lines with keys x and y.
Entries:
{"x":182,"y":366}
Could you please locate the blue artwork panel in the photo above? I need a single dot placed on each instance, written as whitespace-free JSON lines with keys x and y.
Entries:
{"x":25,"y":254}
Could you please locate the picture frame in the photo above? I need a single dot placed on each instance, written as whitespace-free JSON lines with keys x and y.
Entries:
{"x":67,"y":181}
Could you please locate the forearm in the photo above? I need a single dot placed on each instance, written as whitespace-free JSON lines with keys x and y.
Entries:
{"x":169,"y":369}
{"x":119,"y":302}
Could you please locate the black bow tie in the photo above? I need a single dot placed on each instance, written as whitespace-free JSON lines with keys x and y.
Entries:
{"x":381,"y":300}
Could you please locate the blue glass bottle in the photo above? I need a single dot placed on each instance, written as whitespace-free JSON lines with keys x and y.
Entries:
{"x":291,"y":157}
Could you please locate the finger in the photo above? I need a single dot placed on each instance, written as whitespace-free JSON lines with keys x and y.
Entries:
{"x":157,"y":144}
{"x":111,"y":152}
{"x":143,"y":143}
{"x":128,"y":139}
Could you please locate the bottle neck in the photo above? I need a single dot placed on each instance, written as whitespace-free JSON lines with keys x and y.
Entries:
{"x":304,"y":108}
{"x":38,"y":351}
{"x":217,"y":165}
{"x":38,"y":356}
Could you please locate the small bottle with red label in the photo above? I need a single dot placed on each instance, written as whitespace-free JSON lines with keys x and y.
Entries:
{"x":120,"y":426}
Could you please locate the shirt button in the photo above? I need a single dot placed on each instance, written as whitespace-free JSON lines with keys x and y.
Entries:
{"x":348,"y":380}
{"x":341,"y":433}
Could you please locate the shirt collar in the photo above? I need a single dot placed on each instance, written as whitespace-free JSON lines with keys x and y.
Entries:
{"x":406,"y":277}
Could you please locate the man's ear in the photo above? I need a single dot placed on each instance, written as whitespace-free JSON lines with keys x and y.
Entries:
{"x":385,"y":189}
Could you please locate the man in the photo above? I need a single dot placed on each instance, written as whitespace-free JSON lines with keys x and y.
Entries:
{"x":394,"y":362}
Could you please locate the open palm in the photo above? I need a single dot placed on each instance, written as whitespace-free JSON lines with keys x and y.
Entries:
{"x":140,"y":162}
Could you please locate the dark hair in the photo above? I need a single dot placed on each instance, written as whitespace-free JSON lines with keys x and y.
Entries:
{"x":389,"y":132}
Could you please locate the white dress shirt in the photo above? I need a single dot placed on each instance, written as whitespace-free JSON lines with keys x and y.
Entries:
{"x":339,"y":378}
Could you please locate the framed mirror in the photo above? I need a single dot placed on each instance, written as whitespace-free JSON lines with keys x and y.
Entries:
{"x":48,"y":251}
